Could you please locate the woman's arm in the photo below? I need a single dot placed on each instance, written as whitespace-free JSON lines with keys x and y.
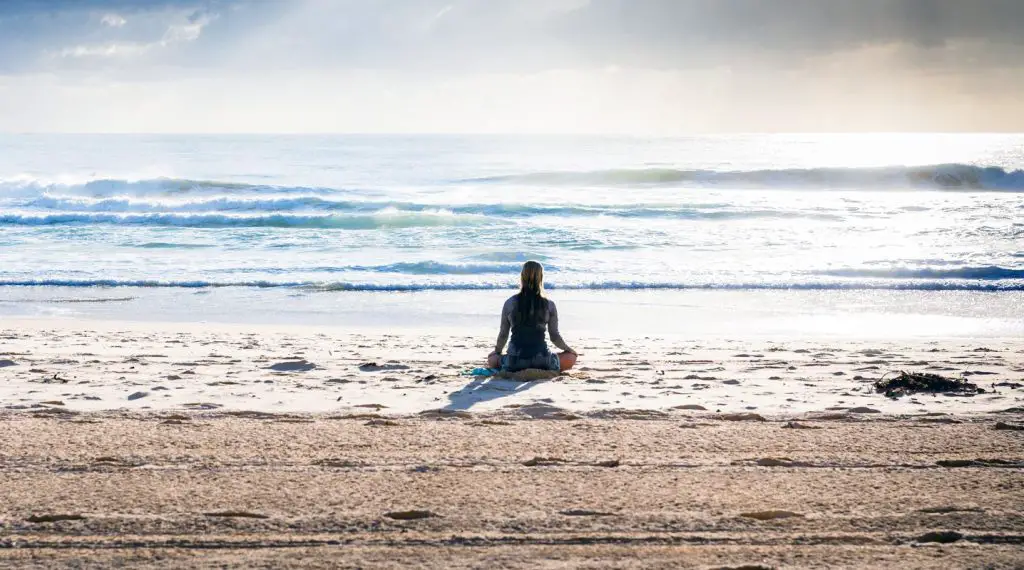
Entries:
{"x":556,"y":338}
{"x":506,"y":325}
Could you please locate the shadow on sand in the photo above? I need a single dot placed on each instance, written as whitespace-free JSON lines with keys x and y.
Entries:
{"x":484,"y":390}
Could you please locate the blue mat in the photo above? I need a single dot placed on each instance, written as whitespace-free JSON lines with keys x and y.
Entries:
{"x":481,"y":372}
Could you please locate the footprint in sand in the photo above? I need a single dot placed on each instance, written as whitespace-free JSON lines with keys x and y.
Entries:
{"x":954,"y":463}
{"x":543,"y":461}
{"x":53,"y":518}
{"x":374,"y":367}
{"x":770,"y":515}
{"x":743,"y":417}
{"x":584,"y":513}
{"x":300,"y":365}
{"x":409,"y":515}
{"x":780,"y":462}
{"x":797,"y":425}
{"x":1008,"y":427}
{"x":236,"y":514}
{"x":950,"y":509}
{"x":942,"y":537}
{"x":543,"y":411}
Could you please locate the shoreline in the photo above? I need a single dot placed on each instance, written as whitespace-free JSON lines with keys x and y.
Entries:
{"x":682,"y":314}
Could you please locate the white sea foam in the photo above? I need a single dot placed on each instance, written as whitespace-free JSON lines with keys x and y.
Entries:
{"x":384,"y":219}
{"x":341,"y":214}
{"x":942,"y":176}
{"x":341,"y":286}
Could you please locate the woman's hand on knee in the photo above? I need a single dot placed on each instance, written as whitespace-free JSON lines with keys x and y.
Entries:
{"x":493,"y":360}
{"x":567,"y":360}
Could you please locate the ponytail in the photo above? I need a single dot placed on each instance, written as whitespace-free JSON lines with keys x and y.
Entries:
{"x":531,"y":293}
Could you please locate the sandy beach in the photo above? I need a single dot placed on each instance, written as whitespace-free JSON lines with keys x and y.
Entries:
{"x":96,"y":365}
{"x":231,"y":407}
{"x":207,"y":446}
{"x":201,"y":489}
{"x":258,"y":258}
{"x":99,"y":365}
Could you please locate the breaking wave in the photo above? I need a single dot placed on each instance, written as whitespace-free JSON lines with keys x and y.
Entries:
{"x":941,"y":177}
{"x":148,"y":187}
{"x":380,"y":220}
{"x":125,"y":194}
{"x":341,"y":286}
{"x":404,"y":268}
{"x":990,"y":273}
{"x":118,"y":210}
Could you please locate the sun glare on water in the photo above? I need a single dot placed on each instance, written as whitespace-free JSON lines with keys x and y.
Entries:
{"x":857,"y":150}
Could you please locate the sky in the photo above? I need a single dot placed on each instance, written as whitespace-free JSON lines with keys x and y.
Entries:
{"x":652,"y":67}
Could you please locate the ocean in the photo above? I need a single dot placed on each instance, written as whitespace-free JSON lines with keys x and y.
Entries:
{"x":269,"y":220}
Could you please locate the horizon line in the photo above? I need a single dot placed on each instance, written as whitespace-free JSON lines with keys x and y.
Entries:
{"x":510,"y":134}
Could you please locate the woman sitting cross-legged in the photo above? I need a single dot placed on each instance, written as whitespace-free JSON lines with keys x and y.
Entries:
{"x":527,"y":314}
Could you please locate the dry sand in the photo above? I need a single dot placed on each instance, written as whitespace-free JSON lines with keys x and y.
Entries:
{"x":240,"y":464}
{"x":102,"y":366}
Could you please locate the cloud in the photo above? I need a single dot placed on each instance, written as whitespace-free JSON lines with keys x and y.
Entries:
{"x":106,"y":50}
{"x":113,"y":20}
{"x":524,"y":35}
{"x":679,"y":33}
{"x":188,"y":30}
{"x":493,"y":65}
{"x":479,"y":36}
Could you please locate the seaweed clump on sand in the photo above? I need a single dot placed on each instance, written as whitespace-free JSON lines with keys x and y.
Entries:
{"x":914,"y":382}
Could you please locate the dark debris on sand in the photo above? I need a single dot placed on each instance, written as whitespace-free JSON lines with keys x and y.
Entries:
{"x":906,"y":383}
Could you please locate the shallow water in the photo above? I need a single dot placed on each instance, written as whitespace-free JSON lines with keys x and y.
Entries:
{"x":606,"y":314}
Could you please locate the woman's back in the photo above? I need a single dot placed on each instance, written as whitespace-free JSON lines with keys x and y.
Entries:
{"x":526,"y":315}
{"x":528,"y":319}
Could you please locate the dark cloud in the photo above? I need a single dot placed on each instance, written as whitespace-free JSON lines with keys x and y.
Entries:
{"x":498,"y":35}
{"x":518,"y":35}
{"x":814,"y":24}
{"x":677,"y":31}
{"x":559,"y":65}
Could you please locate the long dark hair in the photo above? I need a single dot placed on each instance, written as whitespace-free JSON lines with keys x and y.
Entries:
{"x":532,"y":305}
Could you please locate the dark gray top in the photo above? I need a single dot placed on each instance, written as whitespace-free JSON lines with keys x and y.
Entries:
{"x":507,"y":312}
